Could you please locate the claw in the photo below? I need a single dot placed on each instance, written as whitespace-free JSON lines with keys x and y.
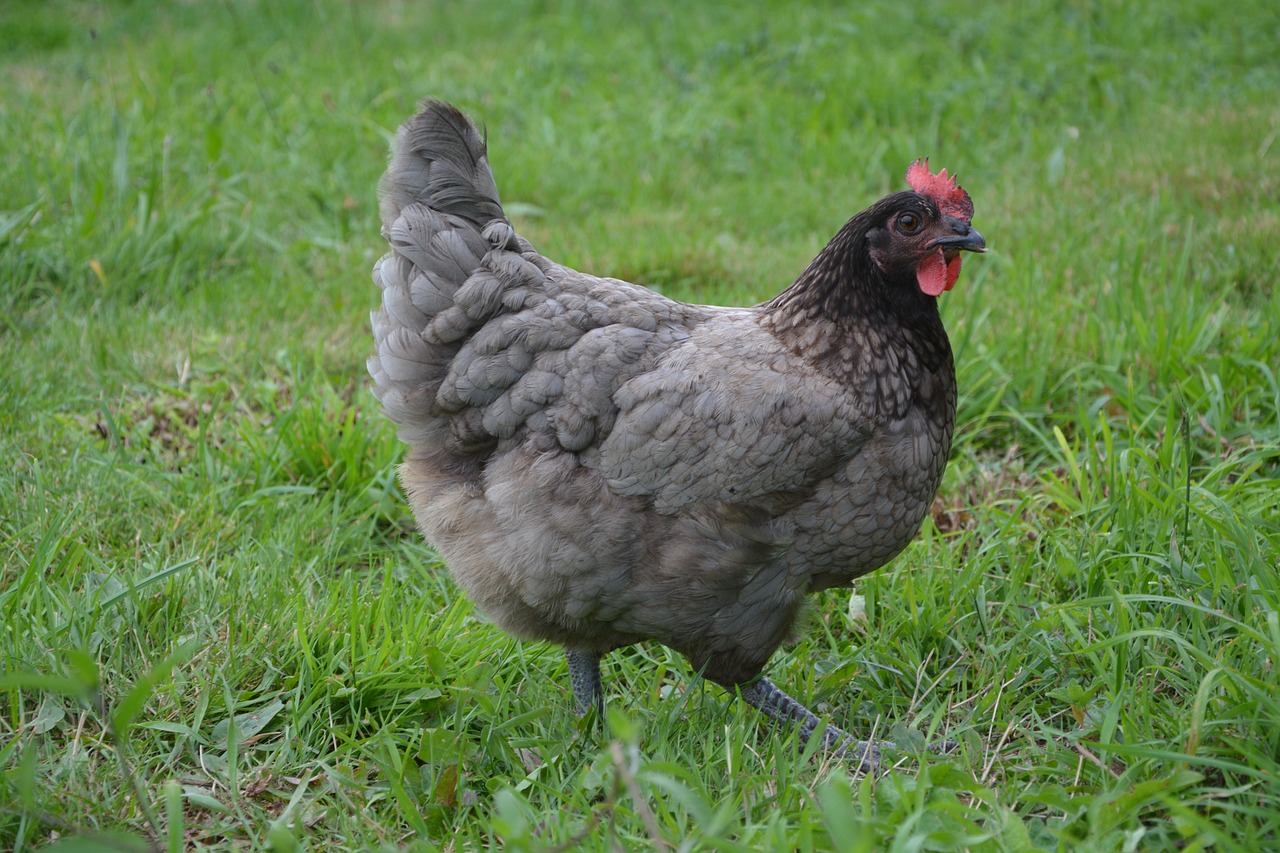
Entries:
{"x":863,"y":755}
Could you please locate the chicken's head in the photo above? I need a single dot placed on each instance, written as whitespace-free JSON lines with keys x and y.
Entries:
{"x":925,"y":230}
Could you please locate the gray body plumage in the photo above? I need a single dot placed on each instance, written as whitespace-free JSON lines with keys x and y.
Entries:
{"x":598,"y":464}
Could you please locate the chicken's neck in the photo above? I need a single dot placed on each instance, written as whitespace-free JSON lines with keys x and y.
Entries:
{"x":855,"y":327}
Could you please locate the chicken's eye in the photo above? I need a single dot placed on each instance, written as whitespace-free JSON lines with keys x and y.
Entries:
{"x":908,"y":223}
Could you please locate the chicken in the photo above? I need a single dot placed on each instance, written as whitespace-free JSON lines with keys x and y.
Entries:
{"x":600,"y":465}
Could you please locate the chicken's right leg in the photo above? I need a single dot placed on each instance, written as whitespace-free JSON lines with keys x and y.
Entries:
{"x":763,"y":695}
{"x":584,"y":675}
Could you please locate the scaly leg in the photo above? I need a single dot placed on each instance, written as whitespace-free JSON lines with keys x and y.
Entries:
{"x":584,"y":675}
{"x":778,"y":706}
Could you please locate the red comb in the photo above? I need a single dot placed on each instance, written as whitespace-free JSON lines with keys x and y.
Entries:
{"x":942,"y":190}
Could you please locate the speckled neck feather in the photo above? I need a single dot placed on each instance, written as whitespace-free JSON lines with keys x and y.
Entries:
{"x":843,"y":317}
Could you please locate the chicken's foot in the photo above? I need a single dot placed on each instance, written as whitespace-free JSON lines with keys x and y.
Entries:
{"x":763,"y":695}
{"x":584,"y":675}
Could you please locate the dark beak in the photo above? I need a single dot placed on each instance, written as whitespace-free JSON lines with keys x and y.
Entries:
{"x":970,"y":240}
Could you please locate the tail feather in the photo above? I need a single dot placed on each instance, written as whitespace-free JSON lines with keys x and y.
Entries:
{"x":437,"y":198}
{"x":439,"y":159}
{"x":442,"y":250}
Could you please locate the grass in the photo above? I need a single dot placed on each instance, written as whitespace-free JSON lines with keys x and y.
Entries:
{"x":220,"y":631}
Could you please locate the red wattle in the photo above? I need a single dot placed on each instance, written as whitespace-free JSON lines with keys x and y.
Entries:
{"x":953,"y":271}
{"x":933,"y":275}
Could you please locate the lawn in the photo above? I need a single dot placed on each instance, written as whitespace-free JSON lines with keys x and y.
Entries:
{"x":219,"y":629}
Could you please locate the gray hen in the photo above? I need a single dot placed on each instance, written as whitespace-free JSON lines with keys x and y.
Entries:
{"x":599,"y":465}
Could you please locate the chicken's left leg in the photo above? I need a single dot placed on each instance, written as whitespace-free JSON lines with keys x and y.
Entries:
{"x":584,"y":675}
{"x":763,"y":695}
